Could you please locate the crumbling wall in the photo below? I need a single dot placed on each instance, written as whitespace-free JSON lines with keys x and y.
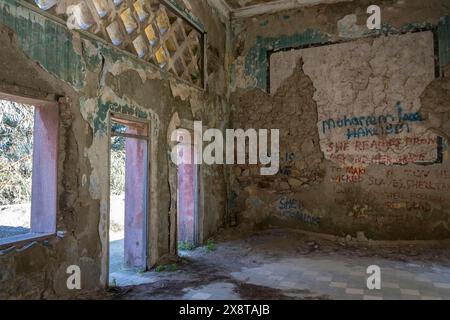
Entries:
{"x":302,"y":161}
{"x":43,"y":59}
{"x":389,"y":180}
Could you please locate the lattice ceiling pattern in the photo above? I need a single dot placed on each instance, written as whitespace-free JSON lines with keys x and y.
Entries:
{"x":147,"y":28}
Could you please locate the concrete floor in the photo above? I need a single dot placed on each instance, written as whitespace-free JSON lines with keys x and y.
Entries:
{"x":119,"y":275}
{"x":286,"y":264}
{"x":275,"y":264}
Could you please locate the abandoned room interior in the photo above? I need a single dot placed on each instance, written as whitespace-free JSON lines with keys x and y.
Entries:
{"x":225,"y":149}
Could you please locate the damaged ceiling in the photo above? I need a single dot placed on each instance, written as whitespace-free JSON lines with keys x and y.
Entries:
{"x":240,"y":4}
{"x":237,"y":4}
{"x":249,"y":8}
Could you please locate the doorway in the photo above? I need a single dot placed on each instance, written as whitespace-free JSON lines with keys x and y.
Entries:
{"x":187,"y":198}
{"x":129,"y":164}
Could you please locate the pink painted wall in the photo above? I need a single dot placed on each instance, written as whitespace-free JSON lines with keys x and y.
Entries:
{"x":135,"y":201}
{"x":186,"y":197}
{"x":45,"y":163}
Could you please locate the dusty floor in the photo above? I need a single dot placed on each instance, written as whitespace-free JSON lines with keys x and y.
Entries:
{"x":285,"y":264}
{"x":272,"y":264}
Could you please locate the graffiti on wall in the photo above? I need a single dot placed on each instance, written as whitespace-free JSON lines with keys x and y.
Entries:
{"x":372,"y":126}
{"x":291,"y":208}
{"x":403,"y":150}
{"x":368,"y":98}
{"x":384,"y":139}
{"x":400,"y":187}
{"x":347,"y":174}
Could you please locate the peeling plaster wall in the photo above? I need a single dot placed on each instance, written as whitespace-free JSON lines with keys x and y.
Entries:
{"x":43,"y":59}
{"x":362,"y":89}
{"x":338,"y":67}
{"x":253,"y":38}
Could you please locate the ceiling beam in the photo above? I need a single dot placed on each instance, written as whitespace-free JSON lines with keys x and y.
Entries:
{"x":277,"y":6}
{"x":222,"y":8}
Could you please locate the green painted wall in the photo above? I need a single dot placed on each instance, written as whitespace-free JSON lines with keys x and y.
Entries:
{"x":45,"y":41}
{"x":256,"y":61}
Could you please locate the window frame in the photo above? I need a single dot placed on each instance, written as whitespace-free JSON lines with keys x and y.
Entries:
{"x":25,"y":239}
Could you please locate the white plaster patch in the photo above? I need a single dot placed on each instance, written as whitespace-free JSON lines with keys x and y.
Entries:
{"x":196,"y":104}
{"x":109,"y":95}
{"x":89,"y":47}
{"x":241,"y":79}
{"x":71,"y":21}
{"x":97,"y":154}
{"x":348,"y":27}
{"x":122,"y":66}
{"x":88,"y":109}
{"x":363,"y":89}
{"x":180,"y":90}
{"x":174,"y":123}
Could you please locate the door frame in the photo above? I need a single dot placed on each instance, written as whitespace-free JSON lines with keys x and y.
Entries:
{"x":131,"y":119}
{"x":198,"y":199}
